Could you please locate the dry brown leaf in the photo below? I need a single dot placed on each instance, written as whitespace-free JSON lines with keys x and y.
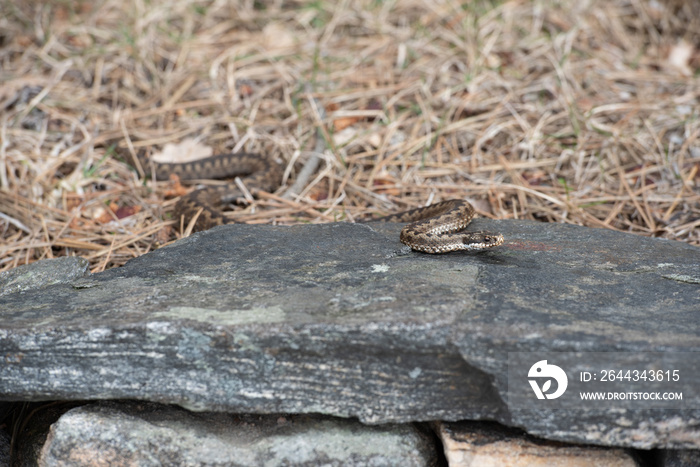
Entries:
{"x":245,"y":90}
{"x":318,"y":195}
{"x":385,"y":183}
{"x":344,"y":122}
{"x":126,"y":211}
{"x":102,"y":215}
{"x":175,"y":187}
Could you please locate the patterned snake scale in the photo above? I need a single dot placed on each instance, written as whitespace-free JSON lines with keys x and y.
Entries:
{"x":437,"y":228}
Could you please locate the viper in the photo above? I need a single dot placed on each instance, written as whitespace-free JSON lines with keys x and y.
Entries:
{"x":438,"y":228}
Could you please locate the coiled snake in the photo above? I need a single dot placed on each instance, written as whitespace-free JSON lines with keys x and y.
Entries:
{"x":433,"y":229}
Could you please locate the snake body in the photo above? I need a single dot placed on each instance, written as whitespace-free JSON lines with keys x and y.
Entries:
{"x":258,"y":174}
{"x":433,"y":229}
{"x":438,"y":228}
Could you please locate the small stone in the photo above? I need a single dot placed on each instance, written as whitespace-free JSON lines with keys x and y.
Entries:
{"x":148,"y":434}
{"x":490,"y":445}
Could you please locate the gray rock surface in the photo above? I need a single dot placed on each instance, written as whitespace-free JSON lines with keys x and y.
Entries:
{"x":148,"y":434}
{"x":331,"y":319}
{"x":42,"y":274}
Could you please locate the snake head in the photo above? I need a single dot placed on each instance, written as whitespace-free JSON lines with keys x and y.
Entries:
{"x":481,"y":240}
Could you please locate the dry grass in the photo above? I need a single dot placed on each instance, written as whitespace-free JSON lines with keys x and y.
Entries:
{"x":561,"y":111}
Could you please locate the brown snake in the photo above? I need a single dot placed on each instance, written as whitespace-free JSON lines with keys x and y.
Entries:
{"x":433,"y":229}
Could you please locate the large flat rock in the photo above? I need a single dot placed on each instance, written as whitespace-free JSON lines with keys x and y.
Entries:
{"x":336,"y":319}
